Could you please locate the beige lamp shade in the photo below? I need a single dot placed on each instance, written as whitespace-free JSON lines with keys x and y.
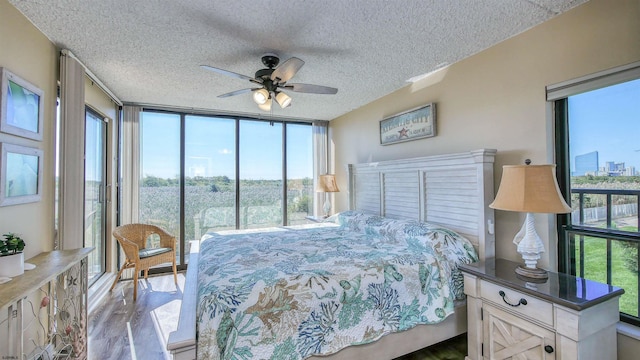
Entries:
{"x":530,"y":188}
{"x":327,"y":183}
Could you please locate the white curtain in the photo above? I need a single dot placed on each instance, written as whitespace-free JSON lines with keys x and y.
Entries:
{"x":320,"y":161}
{"x":71,"y":151}
{"x":130,"y":160}
{"x":130,"y":164}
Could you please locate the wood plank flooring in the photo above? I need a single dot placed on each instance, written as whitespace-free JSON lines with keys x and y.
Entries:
{"x":452,"y":349}
{"x":121,"y":329}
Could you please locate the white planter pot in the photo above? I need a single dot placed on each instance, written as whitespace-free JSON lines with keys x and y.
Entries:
{"x":12,"y":265}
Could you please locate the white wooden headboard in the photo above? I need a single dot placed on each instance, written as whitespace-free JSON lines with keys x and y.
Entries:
{"x":452,"y":190}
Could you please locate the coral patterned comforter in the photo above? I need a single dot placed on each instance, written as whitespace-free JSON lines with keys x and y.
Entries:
{"x":293,"y":293}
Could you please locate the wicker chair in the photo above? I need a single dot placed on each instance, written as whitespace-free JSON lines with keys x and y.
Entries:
{"x":133,"y":240}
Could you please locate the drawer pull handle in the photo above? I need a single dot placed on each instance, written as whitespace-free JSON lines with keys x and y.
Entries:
{"x":548,"y":349}
{"x":521,"y":302}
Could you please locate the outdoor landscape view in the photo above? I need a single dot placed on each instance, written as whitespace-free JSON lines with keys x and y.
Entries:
{"x":210,"y":170}
{"x":605,"y":186}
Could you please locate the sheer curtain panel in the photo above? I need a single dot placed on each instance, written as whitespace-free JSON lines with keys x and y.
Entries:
{"x":130,"y":164}
{"x":72,"y":120}
{"x":320,"y":161}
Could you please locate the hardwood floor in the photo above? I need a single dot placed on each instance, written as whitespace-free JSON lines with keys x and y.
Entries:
{"x":452,"y":349}
{"x":123,"y":329}
{"x":120,"y":328}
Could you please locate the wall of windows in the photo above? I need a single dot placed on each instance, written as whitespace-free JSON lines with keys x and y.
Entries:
{"x":203,"y":173}
{"x":599,"y":166}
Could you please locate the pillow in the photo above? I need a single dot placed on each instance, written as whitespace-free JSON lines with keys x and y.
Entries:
{"x":354,"y":220}
{"x":445,"y":242}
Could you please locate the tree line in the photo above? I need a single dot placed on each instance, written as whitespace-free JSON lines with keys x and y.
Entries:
{"x":219,"y":183}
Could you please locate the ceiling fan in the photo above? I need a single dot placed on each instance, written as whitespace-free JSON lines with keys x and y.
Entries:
{"x":272,"y":81}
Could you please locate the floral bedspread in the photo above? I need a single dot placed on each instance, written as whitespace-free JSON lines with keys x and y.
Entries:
{"x":293,"y":293}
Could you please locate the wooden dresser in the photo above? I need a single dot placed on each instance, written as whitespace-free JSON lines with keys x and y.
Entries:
{"x":566,"y":317}
{"x":60,"y":277}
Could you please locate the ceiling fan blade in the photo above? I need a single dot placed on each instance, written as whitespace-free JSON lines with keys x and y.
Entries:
{"x":230,"y":73}
{"x":312,"y":89}
{"x":287,"y":70}
{"x":237,"y":92}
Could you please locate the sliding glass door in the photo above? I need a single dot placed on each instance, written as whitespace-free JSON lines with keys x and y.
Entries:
{"x":94,"y":192}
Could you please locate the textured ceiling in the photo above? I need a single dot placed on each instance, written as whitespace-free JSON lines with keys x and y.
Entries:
{"x":149,"y":52}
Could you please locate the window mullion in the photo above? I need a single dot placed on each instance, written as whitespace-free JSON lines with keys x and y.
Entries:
{"x":183,"y":232}
{"x":563,"y":173}
{"x":237,"y":151}
{"x":285,"y":220}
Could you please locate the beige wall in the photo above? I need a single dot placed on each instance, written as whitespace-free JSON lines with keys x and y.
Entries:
{"x":30,"y":55}
{"x":496,"y":99}
{"x":26,"y":52}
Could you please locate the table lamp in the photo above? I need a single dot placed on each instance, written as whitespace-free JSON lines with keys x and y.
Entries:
{"x":530,"y":189}
{"x":327,"y":183}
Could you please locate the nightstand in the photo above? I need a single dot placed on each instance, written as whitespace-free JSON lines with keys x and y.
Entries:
{"x":566,"y":317}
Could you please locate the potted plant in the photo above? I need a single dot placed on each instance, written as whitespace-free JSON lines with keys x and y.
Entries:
{"x":11,"y":255}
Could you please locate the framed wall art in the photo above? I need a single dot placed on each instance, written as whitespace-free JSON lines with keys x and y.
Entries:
{"x":409,"y":125}
{"x":20,"y":174}
{"x":21,"y":106}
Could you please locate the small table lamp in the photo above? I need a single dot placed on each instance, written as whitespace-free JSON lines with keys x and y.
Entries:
{"x":327,"y":183}
{"x":530,"y":189}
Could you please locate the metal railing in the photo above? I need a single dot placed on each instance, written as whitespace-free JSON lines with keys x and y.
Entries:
{"x":593,"y":224}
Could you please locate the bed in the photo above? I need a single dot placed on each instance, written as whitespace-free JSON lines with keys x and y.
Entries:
{"x":359,"y":306}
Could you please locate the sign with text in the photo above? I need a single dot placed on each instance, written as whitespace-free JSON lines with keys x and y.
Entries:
{"x":410,"y":125}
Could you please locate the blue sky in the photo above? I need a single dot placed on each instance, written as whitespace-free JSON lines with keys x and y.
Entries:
{"x":210,"y":147}
{"x":608,"y":121}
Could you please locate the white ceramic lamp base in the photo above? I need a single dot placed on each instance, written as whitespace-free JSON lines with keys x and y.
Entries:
{"x":530,"y":246}
{"x":326,"y":208}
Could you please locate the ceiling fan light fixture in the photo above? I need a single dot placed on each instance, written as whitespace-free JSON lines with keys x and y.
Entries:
{"x":271,"y":80}
{"x":266,"y":106}
{"x":283,"y":99}
{"x":261,"y":96}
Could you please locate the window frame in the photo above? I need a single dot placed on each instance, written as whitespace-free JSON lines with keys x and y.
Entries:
{"x":558,"y":95}
{"x":89,"y":111}
{"x":238,"y":119}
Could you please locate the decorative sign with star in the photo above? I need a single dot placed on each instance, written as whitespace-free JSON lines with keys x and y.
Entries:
{"x":410,"y":125}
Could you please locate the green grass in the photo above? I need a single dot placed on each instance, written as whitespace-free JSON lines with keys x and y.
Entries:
{"x":624,"y":274}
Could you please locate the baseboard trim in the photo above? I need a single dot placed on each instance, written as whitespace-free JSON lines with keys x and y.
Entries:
{"x":98,"y":290}
{"x":628,"y":330}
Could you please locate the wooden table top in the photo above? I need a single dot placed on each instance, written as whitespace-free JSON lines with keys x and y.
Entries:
{"x":48,"y":266}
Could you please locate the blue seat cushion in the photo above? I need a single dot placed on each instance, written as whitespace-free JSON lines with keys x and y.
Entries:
{"x":145,"y":253}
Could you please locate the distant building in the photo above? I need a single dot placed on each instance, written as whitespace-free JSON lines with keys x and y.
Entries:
{"x":586,"y":164}
{"x":613,"y":168}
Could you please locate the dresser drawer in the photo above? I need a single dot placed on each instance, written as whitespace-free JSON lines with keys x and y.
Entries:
{"x":534,"y":308}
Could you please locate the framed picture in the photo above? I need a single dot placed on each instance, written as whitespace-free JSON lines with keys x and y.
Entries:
{"x":20,"y":174}
{"x":21,"y":106}
{"x":409,"y":125}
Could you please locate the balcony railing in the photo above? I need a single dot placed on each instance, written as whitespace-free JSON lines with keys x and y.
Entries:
{"x":604,"y":242}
